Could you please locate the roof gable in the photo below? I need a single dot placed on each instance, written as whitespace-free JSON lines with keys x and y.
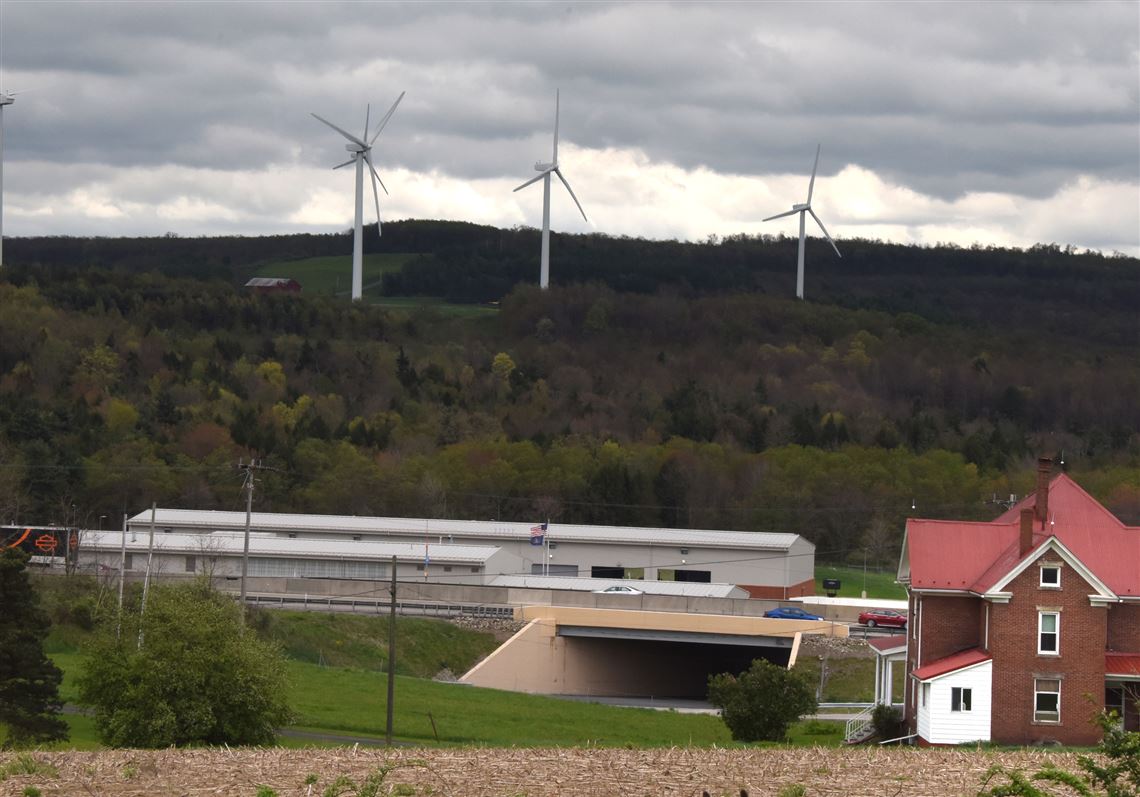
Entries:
{"x":1051,"y":544}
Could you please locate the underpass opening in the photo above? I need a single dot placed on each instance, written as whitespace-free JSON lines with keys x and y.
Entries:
{"x":634,"y":663}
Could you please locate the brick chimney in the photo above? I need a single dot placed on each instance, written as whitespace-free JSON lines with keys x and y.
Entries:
{"x":1041,"y":508}
{"x":1026,"y":538}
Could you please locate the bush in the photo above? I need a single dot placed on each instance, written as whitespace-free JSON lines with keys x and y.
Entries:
{"x":186,"y":672}
{"x":760,"y":703}
{"x":887,"y":721}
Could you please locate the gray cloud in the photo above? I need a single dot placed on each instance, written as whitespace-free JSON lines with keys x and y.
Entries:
{"x":944,"y":99}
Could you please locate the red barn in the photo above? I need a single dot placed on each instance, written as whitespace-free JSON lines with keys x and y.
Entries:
{"x":273,"y":285}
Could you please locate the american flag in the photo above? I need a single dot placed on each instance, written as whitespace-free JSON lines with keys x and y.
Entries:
{"x":537,"y":533}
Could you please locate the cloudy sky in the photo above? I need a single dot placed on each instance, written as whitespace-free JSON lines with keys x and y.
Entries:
{"x":993,"y":122}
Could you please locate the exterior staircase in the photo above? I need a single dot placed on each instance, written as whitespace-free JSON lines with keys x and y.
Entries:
{"x":860,"y":728}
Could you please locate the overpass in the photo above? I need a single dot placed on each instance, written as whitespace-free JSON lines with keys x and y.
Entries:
{"x":565,"y":650}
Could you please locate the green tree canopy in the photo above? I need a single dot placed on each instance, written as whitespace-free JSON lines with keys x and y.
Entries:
{"x":193,"y":674}
{"x":29,"y":681}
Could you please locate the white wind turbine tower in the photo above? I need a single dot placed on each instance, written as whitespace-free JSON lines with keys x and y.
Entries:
{"x":803,"y":210}
{"x":545,"y":170}
{"x":361,"y":149}
{"x":6,"y":98}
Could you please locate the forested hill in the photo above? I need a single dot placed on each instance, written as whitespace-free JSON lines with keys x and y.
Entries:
{"x":657,"y":383}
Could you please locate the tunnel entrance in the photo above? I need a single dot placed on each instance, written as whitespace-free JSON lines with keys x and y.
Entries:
{"x":664,"y":664}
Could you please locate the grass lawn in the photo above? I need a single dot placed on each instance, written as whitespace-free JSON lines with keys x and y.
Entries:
{"x":332,"y":275}
{"x":424,"y":646}
{"x":879,"y":584}
{"x":353,"y":702}
{"x":849,"y":680}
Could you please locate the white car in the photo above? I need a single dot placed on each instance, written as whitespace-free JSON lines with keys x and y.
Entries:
{"x":619,"y":590}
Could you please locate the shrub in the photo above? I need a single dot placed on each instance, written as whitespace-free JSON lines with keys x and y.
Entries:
{"x":760,"y":703}
{"x":886,"y":720}
{"x":186,"y":672}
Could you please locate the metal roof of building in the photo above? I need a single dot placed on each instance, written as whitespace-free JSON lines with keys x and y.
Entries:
{"x":972,"y":556}
{"x":222,"y":543}
{"x":886,"y":645}
{"x":678,"y":588}
{"x":951,"y":663}
{"x":1122,"y":665}
{"x":483,"y":529}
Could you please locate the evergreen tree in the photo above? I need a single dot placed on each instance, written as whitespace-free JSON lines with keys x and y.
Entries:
{"x":29,"y":681}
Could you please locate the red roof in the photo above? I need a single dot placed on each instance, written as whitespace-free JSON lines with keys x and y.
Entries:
{"x":886,"y":644}
{"x":1122,"y":664}
{"x":972,"y":556}
{"x":956,"y":661}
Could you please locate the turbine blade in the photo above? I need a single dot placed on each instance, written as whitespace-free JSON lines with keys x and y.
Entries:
{"x":344,"y":133}
{"x":375,"y":194}
{"x":781,"y":215}
{"x":571,"y":190}
{"x":371,"y":168}
{"x":387,"y":116}
{"x":811,"y":185}
{"x":534,"y":179}
{"x":555,"y":159}
{"x":348,"y":162}
{"x":367,"y":113}
{"x":828,"y":237}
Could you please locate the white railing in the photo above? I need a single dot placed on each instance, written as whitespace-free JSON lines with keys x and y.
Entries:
{"x":857,"y":726}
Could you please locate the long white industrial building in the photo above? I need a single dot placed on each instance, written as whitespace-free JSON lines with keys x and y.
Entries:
{"x":765,"y":565}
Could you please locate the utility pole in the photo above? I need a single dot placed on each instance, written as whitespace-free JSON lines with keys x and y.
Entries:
{"x":122,"y":575}
{"x":146,"y":577}
{"x":248,"y":487}
{"x":391,"y":654}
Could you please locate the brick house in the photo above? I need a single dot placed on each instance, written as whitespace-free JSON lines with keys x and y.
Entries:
{"x":1023,"y":627}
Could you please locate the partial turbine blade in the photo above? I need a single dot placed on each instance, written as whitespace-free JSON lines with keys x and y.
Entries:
{"x":555,"y":159}
{"x":781,"y":215}
{"x":571,"y":190}
{"x":387,"y":116}
{"x":367,"y":113}
{"x":375,"y":194}
{"x":828,"y":237}
{"x":534,"y":179}
{"x":811,"y":185}
{"x":344,"y":133}
{"x":371,"y":168}
{"x":348,"y":162}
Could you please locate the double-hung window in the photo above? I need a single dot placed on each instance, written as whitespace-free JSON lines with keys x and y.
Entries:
{"x":1049,"y":633}
{"x":960,"y":698}
{"x":1046,"y":700}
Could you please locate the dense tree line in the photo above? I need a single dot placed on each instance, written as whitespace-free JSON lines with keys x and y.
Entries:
{"x":697,"y":397}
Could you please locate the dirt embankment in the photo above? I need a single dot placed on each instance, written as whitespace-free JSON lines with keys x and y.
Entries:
{"x":569,"y":772}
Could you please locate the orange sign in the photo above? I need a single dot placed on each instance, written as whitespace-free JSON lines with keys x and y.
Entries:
{"x":47,"y":543}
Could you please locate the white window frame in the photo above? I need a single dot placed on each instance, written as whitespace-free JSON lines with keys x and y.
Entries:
{"x":1037,"y":691}
{"x":1041,"y":582}
{"x":1056,"y":632}
{"x":965,"y":699}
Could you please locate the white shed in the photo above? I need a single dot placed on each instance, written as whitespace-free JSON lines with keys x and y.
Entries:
{"x":955,"y":698}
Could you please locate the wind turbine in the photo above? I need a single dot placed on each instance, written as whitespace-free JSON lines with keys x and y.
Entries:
{"x":803,"y":210}
{"x":361,"y":149}
{"x":6,"y":98}
{"x":545,"y":170}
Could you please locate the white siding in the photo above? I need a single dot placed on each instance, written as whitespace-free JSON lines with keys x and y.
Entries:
{"x":937,"y":724}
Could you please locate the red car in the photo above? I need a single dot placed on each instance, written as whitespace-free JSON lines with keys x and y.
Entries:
{"x":885,"y":617}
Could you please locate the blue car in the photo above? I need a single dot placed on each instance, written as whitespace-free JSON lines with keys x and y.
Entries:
{"x":791,"y":613}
